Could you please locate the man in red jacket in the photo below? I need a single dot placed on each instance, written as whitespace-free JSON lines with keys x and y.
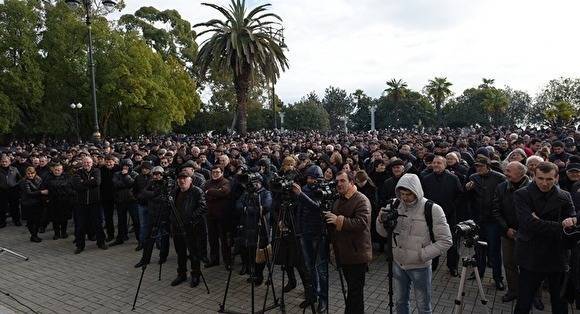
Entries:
{"x":217,"y":194}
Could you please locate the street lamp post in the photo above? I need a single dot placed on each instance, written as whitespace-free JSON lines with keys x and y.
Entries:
{"x":278,"y":35}
{"x":372,"y":109}
{"x":344,"y":119}
{"x":88,"y":10}
{"x":281,"y":120}
{"x":76,"y":108}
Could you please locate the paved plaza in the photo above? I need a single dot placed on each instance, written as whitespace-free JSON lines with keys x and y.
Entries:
{"x":55,"y":280}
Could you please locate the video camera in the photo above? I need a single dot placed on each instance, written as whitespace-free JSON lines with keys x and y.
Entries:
{"x":390,"y":215}
{"x":250,"y":179}
{"x":469,"y":230}
{"x":325,"y":190}
{"x":281,"y":184}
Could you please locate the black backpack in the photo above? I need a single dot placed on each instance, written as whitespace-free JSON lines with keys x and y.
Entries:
{"x":429,"y":221}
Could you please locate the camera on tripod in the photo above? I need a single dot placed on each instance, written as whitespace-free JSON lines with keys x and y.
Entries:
{"x":326,"y":191}
{"x":469,"y":230}
{"x":389,"y":214}
{"x":281,"y":184}
{"x":249,"y":180}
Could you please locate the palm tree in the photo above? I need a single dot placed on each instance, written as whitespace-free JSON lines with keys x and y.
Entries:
{"x":438,"y":90}
{"x":396,"y":90}
{"x":244,"y":44}
{"x":495,"y":103}
{"x":487,"y":83}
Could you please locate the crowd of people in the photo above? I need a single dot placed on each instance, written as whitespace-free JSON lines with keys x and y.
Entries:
{"x":220,"y":196}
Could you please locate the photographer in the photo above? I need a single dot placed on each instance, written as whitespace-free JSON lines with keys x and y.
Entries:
{"x":252,"y":207}
{"x":542,"y":209}
{"x":126,"y":203}
{"x":351,"y":238}
{"x":155,"y":197}
{"x":188,"y":228}
{"x":413,"y":249}
{"x":312,"y":241}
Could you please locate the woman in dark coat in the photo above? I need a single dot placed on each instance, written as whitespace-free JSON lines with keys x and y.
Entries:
{"x":31,"y":202}
{"x":60,"y":195}
{"x":367,"y":187}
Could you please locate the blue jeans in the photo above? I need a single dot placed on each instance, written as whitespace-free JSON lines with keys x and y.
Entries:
{"x":316,"y":264}
{"x":421,"y":280}
{"x":144,"y":220}
{"x":490,"y":233}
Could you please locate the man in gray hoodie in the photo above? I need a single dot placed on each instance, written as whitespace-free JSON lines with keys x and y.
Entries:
{"x":413,"y":249}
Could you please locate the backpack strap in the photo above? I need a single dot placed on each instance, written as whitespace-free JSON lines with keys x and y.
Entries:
{"x":429,"y":219}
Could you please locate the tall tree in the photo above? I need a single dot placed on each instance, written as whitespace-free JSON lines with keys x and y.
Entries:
{"x":396,"y":90}
{"x":438,"y":90}
{"x":495,"y":104}
{"x":560,"y":114}
{"x":338,"y":104}
{"x":307,"y":114}
{"x":243,"y":44}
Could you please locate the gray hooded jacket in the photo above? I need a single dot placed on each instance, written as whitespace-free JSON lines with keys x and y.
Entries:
{"x":413,"y":248}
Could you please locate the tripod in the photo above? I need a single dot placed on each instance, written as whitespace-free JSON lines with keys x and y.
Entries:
{"x":470,"y":263}
{"x":254,"y":197}
{"x":5,"y":250}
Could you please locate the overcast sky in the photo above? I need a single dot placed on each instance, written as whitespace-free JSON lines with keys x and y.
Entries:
{"x":364,"y":43}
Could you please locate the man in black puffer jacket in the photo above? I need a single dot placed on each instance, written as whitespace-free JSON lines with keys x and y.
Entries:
{"x":9,"y":192}
{"x":126,"y":202}
{"x":87,"y":183}
{"x":481,"y":186}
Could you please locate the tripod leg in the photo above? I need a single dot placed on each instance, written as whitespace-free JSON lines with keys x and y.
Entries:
{"x":160,"y":266}
{"x":204,"y":283}
{"x":138,"y":287}
{"x":339,"y":269}
{"x":482,"y":298}
{"x":223,"y":305}
{"x":459,"y":299}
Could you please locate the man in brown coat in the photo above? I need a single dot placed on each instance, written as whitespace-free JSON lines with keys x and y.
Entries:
{"x":217,"y":194}
{"x":351,"y":238}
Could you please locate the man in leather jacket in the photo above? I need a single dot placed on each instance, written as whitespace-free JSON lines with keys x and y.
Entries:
{"x":9,"y":192}
{"x":188,"y":228}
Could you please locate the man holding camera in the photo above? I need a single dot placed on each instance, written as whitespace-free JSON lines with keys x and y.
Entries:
{"x":351,"y":238}
{"x":542,"y":209}
{"x":413,"y":249}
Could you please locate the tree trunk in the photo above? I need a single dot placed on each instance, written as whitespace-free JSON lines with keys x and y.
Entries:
{"x":438,"y":109}
{"x":242,"y":84}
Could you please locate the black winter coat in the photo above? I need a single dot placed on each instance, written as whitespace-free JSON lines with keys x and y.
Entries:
{"x":482,"y":194}
{"x":540,"y":243}
{"x":190,"y":206}
{"x":123,"y":184}
{"x":445,"y":190}
{"x":503,"y":209}
{"x":9,"y":177}
{"x":107,"y":189}
{"x":30,"y":198}
{"x":61,"y":196}
{"x":141,"y":182}
{"x":87,"y":184}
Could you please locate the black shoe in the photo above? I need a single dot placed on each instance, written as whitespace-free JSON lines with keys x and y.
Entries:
{"x":139,"y":247}
{"x":126,"y":238}
{"x":56,"y":236}
{"x":103,"y":246}
{"x":79,"y":250}
{"x":305,"y":304}
{"x":116,"y":242}
{"x":40,"y":230}
{"x":508,"y":297}
{"x":290,"y":286}
{"x":17,"y":223}
{"x":322,"y":306}
{"x":162,"y":260}
{"x":178,"y":280}
{"x":110,"y":238}
{"x":194,"y":281}
{"x":141,"y":264}
{"x":64,"y":235}
{"x":35,"y":239}
{"x":499,"y":285}
{"x":454,"y":273}
{"x":538,"y":304}
{"x":244,"y":270}
{"x":210,"y":265}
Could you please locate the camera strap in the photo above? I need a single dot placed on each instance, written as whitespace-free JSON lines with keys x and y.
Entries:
{"x":429,"y":219}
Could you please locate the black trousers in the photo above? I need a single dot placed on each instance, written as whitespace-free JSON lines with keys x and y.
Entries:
{"x":122,"y":229}
{"x":152,"y":234}
{"x":88,"y":218}
{"x":528,"y":284}
{"x":9,"y":203}
{"x":217,"y":231}
{"x":355,"y":281}
{"x":109,"y":210}
{"x":187,"y":248}
{"x":33,"y":218}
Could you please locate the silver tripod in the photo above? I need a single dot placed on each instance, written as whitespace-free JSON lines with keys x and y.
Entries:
{"x":5,"y":250}
{"x":470,"y":263}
